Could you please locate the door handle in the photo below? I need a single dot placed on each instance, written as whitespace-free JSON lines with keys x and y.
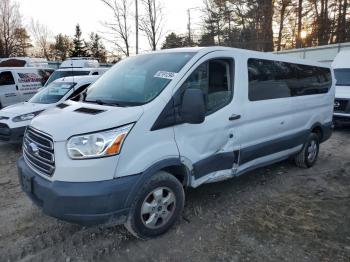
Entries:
{"x":234,"y":117}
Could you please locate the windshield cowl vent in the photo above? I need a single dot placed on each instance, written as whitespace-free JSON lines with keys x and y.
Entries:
{"x":90,"y":111}
{"x":62,"y":105}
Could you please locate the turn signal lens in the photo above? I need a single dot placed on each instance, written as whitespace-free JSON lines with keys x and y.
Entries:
{"x":116,"y":146}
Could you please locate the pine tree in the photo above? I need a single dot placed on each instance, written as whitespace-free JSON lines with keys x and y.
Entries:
{"x":172,"y":40}
{"x":96,"y":48}
{"x":61,"y":47}
{"x":79,"y":47}
{"x":23,"y":42}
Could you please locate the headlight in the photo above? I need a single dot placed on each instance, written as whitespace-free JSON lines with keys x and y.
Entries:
{"x":99,"y":144}
{"x":26,"y":117}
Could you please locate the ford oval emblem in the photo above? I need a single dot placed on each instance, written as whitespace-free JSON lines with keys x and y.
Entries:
{"x":336,"y":104}
{"x":34,"y":149}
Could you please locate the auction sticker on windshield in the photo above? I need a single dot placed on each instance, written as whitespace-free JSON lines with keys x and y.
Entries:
{"x":165,"y":74}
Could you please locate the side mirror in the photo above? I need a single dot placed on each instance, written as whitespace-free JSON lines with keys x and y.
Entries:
{"x":193,"y":106}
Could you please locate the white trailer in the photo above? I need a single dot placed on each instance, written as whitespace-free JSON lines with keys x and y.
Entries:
{"x":324,"y":54}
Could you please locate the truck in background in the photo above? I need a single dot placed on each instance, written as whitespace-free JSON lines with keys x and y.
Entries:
{"x":341,"y":66}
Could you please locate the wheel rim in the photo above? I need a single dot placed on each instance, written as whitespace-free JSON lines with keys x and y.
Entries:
{"x":158,"y":207}
{"x":312,"y":151}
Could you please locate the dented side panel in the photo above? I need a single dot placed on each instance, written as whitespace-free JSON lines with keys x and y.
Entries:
{"x":213,"y":146}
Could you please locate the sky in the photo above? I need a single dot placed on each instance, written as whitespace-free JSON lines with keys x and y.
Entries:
{"x":61,"y":16}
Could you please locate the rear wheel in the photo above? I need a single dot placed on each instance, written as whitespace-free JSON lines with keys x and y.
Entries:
{"x":157,"y":206}
{"x":307,"y":157}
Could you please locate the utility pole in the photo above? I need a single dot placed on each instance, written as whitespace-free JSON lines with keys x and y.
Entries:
{"x":137,"y":26}
{"x":189,"y":27}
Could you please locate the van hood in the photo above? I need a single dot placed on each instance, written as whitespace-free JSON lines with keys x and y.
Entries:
{"x":74,"y":118}
{"x":342,"y":92}
{"x":22,"y":109}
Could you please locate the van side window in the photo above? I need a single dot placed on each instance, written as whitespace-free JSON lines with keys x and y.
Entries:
{"x":6,"y":78}
{"x":214,"y":78}
{"x":274,"y":79}
{"x":95,"y":74}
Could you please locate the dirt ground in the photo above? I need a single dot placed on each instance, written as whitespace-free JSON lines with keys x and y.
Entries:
{"x":278,"y":213}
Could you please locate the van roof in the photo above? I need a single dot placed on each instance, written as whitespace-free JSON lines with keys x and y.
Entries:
{"x":24,"y":62}
{"x":82,"y":68}
{"x":77,"y":79}
{"x":342,"y":60}
{"x":256,"y":54}
{"x":79,"y":62}
{"x":25,"y":68}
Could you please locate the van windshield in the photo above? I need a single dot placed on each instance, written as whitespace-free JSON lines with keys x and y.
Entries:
{"x":342,"y":76}
{"x":137,"y":80}
{"x":52,"y":93}
{"x":60,"y":74}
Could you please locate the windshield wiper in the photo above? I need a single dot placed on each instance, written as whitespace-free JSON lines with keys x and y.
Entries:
{"x":102,"y":102}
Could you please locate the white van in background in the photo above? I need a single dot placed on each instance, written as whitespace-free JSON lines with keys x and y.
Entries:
{"x":19,"y":84}
{"x":158,"y":122}
{"x":80,"y":62}
{"x":24,"y":62}
{"x":15,"y":118}
{"x":66,"y":72}
{"x":341,"y":66}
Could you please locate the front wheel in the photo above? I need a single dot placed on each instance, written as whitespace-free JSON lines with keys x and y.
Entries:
{"x":157,"y":206}
{"x":307,"y":157}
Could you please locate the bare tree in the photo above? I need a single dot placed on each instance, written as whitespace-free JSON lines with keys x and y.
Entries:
{"x":119,"y":29}
{"x":10,"y":21}
{"x":42,"y":35}
{"x":152,"y":22}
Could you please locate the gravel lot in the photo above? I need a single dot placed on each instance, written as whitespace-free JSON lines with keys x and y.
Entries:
{"x":278,"y":213}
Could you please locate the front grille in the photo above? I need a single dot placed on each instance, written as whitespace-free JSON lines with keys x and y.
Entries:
{"x":38,"y":151}
{"x":340,"y":105}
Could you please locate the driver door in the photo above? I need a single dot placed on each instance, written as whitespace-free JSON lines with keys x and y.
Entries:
{"x":211,"y":147}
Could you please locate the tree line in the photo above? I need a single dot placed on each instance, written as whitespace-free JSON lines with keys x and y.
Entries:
{"x":263,"y":25}
{"x":15,"y":39}
{"x":268,"y":25}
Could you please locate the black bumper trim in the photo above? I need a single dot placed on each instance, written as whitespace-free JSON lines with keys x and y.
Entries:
{"x":13,"y":135}
{"x":85,"y":203}
{"x":341,"y":118}
{"x":327,"y":130}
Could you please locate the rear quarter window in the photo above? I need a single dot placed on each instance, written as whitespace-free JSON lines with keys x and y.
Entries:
{"x":269,"y":79}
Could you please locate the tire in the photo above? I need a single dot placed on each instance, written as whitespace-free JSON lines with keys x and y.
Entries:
{"x":156,"y":207}
{"x":307,"y":157}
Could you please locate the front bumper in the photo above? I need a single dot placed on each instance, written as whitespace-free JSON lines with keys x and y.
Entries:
{"x":341,"y":117}
{"x":85,"y":203}
{"x":12,"y":135}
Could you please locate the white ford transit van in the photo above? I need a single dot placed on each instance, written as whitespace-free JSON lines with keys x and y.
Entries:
{"x":341,"y":66}
{"x":80,"y":62}
{"x":15,"y":118}
{"x":18,"y":84}
{"x":66,"y":72}
{"x":158,"y":122}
